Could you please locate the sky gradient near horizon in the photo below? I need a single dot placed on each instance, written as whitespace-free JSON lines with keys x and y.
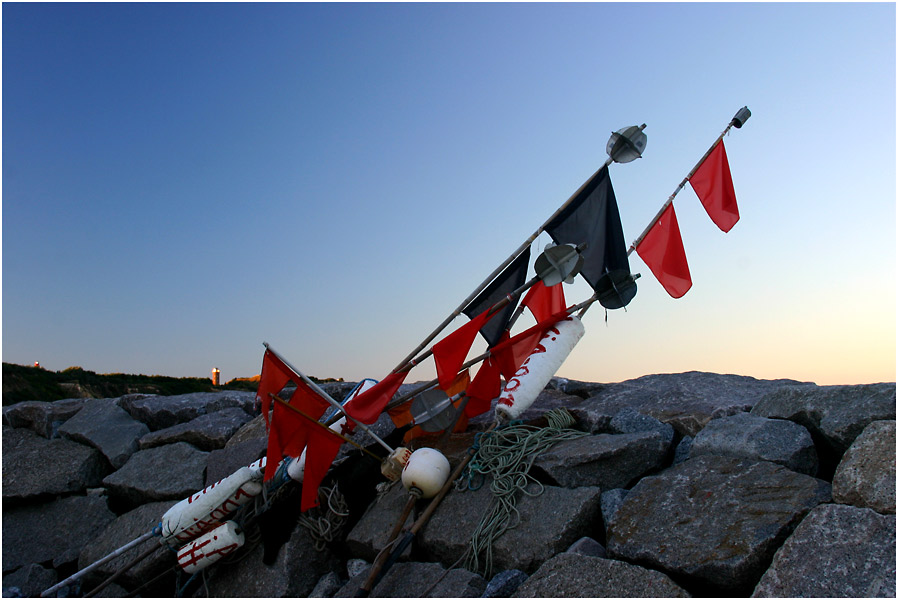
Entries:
{"x":182,"y":182}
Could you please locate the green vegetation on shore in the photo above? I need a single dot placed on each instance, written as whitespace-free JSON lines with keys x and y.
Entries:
{"x":21,"y":383}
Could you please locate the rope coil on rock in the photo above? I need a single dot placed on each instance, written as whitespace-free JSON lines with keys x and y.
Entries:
{"x":506,"y":455}
{"x":327,"y":525}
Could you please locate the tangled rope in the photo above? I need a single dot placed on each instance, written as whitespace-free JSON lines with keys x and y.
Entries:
{"x":507,"y":454}
{"x":325,"y":525}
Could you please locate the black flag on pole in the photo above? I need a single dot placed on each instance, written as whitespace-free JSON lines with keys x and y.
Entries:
{"x":592,"y":218}
{"x":510,"y":279}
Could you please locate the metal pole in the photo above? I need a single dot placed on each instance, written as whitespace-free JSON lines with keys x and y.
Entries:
{"x":498,"y":270}
{"x":326,"y":397}
{"x":651,"y":224}
{"x":46,"y":593}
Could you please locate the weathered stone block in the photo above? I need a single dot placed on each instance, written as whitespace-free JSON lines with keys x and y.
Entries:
{"x":866,"y":475}
{"x":101,"y":423}
{"x":170,"y":472}
{"x":206,"y":432}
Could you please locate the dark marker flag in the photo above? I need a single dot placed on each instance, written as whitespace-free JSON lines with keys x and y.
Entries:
{"x":592,"y":218}
{"x":713,"y":185}
{"x":510,"y":279}
{"x":662,"y":251}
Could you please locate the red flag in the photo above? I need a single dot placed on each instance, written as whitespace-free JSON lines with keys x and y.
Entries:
{"x":485,"y":386}
{"x":451,"y":351}
{"x":511,"y":353}
{"x":713,"y":184}
{"x":275,"y":375}
{"x":321,"y":451}
{"x":544,"y":301}
{"x":662,"y":251}
{"x":367,"y":406}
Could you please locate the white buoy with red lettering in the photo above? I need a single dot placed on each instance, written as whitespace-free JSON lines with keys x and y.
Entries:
{"x":210,"y":547}
{"x":206,"y":509}
{"x":425,"y":472}
{"x":531,"y":378}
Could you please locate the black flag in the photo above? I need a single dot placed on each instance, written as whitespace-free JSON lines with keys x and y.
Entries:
{"x":510,"y":279}
{"x":592,"y":218}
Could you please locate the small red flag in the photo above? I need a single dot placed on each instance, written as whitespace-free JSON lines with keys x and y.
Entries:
{"x":320,"y":454}
{"x":511,"y":353}
{"x":485,"y":386}
{"x":662,"y":251}
{"x":544,"y":301}
{"x":367,"y":406}
{"x":713,"y":185}
{"x":449,"y":354}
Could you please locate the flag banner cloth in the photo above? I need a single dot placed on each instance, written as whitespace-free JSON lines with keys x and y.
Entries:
{"x":662,"y":251}
{"x":449,"y":354}
{"x":511,"y":353}
{"x":367,"y":406}
{"x":321,"y":450}
{"x":713,"y":185}
{"x":544,"y":301}
{"x":593,"y":218}
{"x":510,"y":279}
{"x":485,"y":386}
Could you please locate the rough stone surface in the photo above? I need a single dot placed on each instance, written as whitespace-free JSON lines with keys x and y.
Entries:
{"x":159,"y":412}
{"x":630,"y":420}
{"x":758,"y":438}
{"x":170,"y":472}
{"x":221,"y":463}
{"x":207,"y":432}
{"x":420,"y":580}
{"x":687,"y":401}
{"x":254,"y":429}
{"x":101,"y":423}
{"x":295,"y":572}
{"x":588,"y":547}
{"x":28,"y":581}
{"x":54,"y":532}
{"x":119,"y":532}
{"x":34,"y":467}
{"x":44,"y":418}
{"x":611,"y":501}
{"x":716,"y":520}
{"x":683,"y":449}
{"x":582,"y":389}
{"x":547,"y":400}
{"x":504,"y":584}
{"x":835,"y":413}
{"x":866,"y":475}
{"x":836,"y":551}
{"x":549,"y":524}
{"x":370,"y":534}
{"x":570,"y":575}
{"x":604,"y":460}
{"x":327,"y":586}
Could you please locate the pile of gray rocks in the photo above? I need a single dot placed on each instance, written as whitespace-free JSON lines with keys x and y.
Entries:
{"x":689,"y":484}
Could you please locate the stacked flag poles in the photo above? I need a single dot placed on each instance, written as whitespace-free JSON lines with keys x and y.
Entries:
{"x":620,"y":149}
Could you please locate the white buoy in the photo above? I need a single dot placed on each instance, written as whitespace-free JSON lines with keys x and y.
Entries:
{"x":531,"y":378}
{"x":210,"y":547}
{"x":206,"y":509}
{"x":297,"y":468}
{"x":425,"y":472}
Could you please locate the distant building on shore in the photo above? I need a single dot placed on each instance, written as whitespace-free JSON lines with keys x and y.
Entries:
{"x":216,"y":376}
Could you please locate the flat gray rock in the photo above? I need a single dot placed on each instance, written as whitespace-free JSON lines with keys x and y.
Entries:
{"x":44,"y":418}
{"x":34,"y":467}
{"x":686,"y":401}
{"x":419,"y":580}
{"x":604,"y":460}
{"x":713,"y":519}
{"x":119,"y":532}
{"x":369,"y":535}
{"x":294,"y":574}
{"x":758,"y":438}
{"x":159,"y":412}
{"x":836,"y":551}
{"x":28,"y":581}
{"x":101,"y":423}
{"x":207,"y":432}
{"x":549,"y":524}
{"x":504,"y":583}
{"x":54,"y":532}
{"x":835,"y":413}
{"x":223,"y":462}
{"x":569,"y":575}
{"x":170,"y":472}
{"x":254,"y":429}
{"x":630,"y":420}
{"x":866,"y":475}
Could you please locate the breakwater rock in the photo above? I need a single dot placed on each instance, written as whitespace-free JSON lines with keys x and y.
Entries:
{"x":691,"y":484}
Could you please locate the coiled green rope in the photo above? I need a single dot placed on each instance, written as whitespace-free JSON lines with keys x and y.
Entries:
{"x":507,"y":454}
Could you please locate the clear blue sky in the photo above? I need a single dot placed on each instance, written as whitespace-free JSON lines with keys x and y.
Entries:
{"x":182,"y":182}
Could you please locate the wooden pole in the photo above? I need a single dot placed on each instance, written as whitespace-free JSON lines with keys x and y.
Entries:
{"x":382,"y":556}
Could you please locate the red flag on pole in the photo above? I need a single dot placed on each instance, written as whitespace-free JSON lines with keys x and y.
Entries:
{"x":544,"y":301}
{"x":662,"y":251}
{"x":321,"y":451}
{"x":485,"y":386}
{"x":713,"y":184}
{"x":451,"y":351}
{"x":367,"y":406}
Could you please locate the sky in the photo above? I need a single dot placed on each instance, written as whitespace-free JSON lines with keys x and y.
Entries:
{"x":183,"y":182}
